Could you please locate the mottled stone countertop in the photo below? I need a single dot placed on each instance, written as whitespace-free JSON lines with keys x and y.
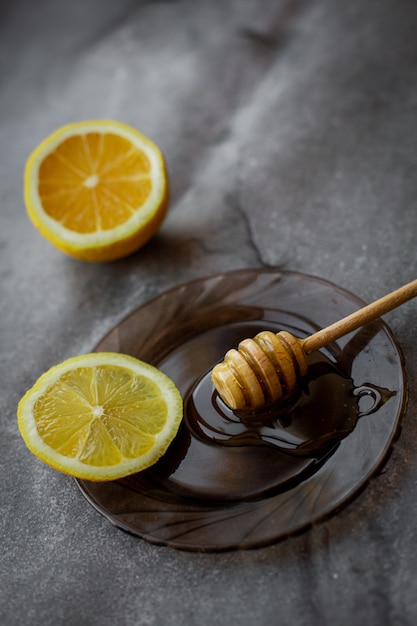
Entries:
{"x":289,"y":129}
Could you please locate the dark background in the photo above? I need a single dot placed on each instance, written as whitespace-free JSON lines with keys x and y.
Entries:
{"x":290,"y":133}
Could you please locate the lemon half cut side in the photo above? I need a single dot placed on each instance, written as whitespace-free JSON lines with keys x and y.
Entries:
{"x":97,"y":190}
{"x":100,"y":416}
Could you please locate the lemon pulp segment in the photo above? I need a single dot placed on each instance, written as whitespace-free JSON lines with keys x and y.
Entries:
{"x":93,"y":181}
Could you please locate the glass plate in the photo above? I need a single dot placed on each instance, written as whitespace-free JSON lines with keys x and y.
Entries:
{"x":205,"y":497}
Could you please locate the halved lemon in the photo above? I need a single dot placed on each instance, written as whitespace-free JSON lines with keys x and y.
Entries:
{"x":97,"y":190}
{"x":100,"y":416}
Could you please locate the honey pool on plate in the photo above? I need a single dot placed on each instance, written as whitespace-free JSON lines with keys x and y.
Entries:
{"x":227,"y":482}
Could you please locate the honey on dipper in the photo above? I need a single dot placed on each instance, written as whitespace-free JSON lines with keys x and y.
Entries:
{"x":266,"y":369}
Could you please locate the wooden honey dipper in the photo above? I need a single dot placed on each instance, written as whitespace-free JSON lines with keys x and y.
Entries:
{"x":266,"y":369}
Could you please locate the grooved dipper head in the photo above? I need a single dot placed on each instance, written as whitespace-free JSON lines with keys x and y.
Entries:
{"x":262,"y":371}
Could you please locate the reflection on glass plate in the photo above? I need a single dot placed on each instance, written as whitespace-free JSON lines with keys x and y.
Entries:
{"x":226,"y":484}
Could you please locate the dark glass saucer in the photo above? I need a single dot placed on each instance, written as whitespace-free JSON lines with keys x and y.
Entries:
{"x":224,"y":484}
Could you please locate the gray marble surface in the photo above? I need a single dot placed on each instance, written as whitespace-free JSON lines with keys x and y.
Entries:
{"x":289,"y":129}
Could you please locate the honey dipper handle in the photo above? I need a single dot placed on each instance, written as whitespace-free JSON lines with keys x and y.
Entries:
{"x":360,"y":318}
